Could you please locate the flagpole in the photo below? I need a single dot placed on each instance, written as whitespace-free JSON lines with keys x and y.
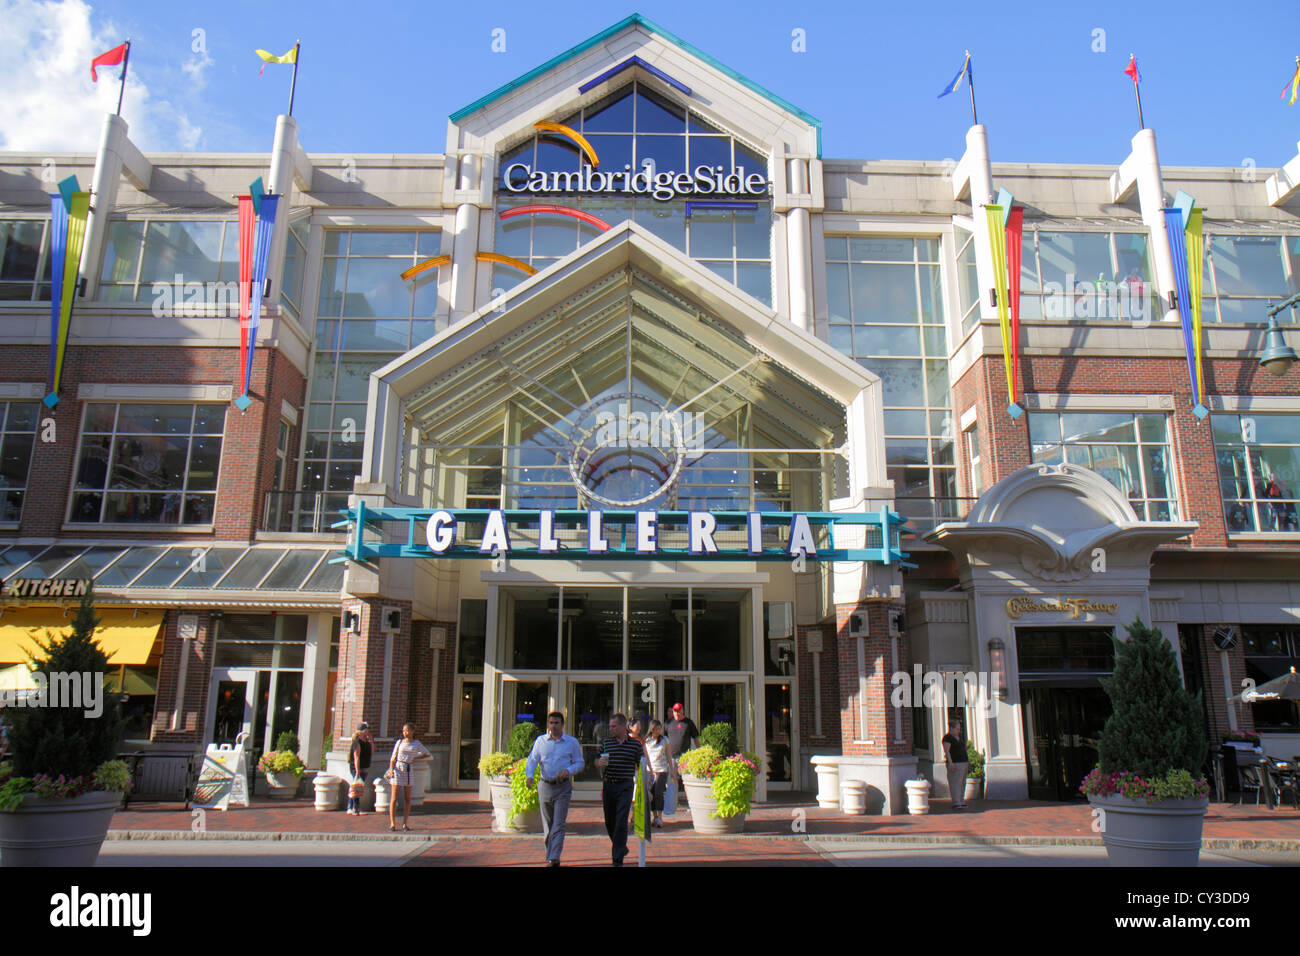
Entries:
{"x":126,"y":62}
{"x":1137,"y":90}
{"x":970,"y":82}
{"x":293,"y":83}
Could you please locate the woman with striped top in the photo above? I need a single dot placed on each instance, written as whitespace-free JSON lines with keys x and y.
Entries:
{"x":405,"y":753}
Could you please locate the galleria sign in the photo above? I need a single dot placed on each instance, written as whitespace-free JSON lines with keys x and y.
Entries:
{"x":665,"y":186}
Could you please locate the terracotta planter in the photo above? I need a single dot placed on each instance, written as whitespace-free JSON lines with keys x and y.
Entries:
{"x":528,"y":822}
{"x":53,"y":832}
{"x":699,"y":795}
{"x":282,"y":785}
{"x":1138,"y":833}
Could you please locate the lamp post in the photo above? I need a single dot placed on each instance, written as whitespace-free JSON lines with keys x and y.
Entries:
{"x":1277,"y":357}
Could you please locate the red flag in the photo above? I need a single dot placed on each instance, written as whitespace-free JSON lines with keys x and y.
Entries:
{"x":112,"y":58}
{"x":1132,"y":69}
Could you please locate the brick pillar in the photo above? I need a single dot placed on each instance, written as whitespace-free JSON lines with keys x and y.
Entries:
{"x":193,"y":696}
{"x":431,"y":713}
{"x":888,"y":729}
{"x":359,"y":694}
{"x":819,"y":679}
{"x":1213,"y":694}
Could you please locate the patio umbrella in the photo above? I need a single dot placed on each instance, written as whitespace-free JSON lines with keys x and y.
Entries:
{"x":1286,"y":687}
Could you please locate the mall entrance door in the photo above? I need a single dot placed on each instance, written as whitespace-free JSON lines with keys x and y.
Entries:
{"x":1062,"y":724}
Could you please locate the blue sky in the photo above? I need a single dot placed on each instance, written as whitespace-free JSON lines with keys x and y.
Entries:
{"x":379,"y":77}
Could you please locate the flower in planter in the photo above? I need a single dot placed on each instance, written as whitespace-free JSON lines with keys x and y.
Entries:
{"x":731,"y":778}
{"x":281,"y":761}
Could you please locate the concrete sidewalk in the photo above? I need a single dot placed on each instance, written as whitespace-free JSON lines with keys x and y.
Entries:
{"x":792,"y":818}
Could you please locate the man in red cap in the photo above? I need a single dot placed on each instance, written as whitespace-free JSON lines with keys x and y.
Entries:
{"x":681,"y":730}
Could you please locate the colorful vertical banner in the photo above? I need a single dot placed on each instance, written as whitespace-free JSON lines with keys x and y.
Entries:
{"x":998,"y":246}
{"x":68,"y":213}
{"x":247,"y":218}
{"x":1195,"y":274}
{"x":1187,"y":307}
{"x":1015,"y":240}
{"x":256,"y":226}
{"x":641,"y":804}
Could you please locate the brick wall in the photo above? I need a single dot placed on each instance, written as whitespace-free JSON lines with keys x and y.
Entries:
{"x":827,"y":666}
{"x":359,"y":692}
{"x":427,"y":709}
{"x":194,"y":700}
{"x":883,"y":723}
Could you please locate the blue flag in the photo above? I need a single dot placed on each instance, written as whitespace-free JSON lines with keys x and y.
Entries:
{"x":956,"y":80}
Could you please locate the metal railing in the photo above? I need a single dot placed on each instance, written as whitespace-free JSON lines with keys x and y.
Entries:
{"x":302,"y":511}
{"x":924,"y":514}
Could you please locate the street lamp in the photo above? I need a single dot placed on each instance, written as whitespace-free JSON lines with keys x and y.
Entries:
{"x":1277,"y":357}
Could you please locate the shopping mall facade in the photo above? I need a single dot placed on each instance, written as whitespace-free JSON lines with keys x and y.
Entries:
{"x":612,"y":405}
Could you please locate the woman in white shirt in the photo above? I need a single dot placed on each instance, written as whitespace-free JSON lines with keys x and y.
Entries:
{"x":661,"y":765}
{"x":405,"y":753}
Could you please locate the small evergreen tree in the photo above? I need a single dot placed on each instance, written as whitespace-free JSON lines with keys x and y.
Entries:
{"x":64,"y":740}
{"x":287,"y":740}
{"x":1156,"y":726}
{"x":721,"y":736}
{"x":521,"y":740}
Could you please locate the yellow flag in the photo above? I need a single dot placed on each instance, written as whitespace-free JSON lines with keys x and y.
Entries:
{"x":290,"y":57}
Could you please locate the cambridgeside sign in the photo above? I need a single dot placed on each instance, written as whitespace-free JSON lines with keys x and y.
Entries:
{"x":665,"y":186}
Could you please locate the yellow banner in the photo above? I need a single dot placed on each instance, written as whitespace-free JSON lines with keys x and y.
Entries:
{"x":998,"y":245}
{"x":71,"y":267}
{"x":1195,"y":274}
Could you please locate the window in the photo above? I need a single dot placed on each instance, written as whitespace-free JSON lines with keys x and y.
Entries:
{"x":1242,"y":273}
{"x":295,"y":256}
{"x":1086,"y":275}
{"x":973,"y":458}
{"x":968,"y":280}
{"x":1129,"y":450}
{"x":140,"y":254}
{"x":18,"y":422}
{"x":886,"y":311}
{"x":1259,"y":464}
{"x":1272,"y":650}
{"x":24,"y":255}
{"x":148,"y":464}
{"x":633,"y":127}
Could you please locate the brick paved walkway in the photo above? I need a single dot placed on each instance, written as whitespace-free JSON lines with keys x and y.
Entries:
{"x":448,"y":814}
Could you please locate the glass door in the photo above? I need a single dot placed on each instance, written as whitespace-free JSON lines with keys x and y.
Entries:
{"x":1061,"y":729}
{"x":777,"y":715}
{"x":233,"y":708}
{"x":469,"y":729}
{"x":522,"y":701}
{"x":725,"y":701}
{"x":590,"y":705}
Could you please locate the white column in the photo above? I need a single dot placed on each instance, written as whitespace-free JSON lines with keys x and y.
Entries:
{"x":799,"y":249}
{"x":315,"y":684}
{"x":491,"y":653}
{"x":975,"y":170}
{"x":1151,"y":199}
{"x":464,"y":268}
{"x":117,"y":154}
{"x":280,"y":181}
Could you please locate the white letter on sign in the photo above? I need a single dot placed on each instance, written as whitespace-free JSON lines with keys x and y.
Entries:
{"x":441,"y":531}
{"x":645,"y":532}
{"x":494,"y":533}
{"x":547,"y":543}
{"x":801,"y":536}
{"x":703,"y":525}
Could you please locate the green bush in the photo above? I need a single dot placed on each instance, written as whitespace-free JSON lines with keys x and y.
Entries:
{"x":494,"y":764}
{"x":63,"y":741}
{"x":721,"y":737}
{"x":1157,"y":727}
{"x":523,"y":798}
{"x":520,"y":744}
{"x":976,"y":761}
{"x":287,"y":741}
{"x":113,"y":775}
{"x":698,"y":762}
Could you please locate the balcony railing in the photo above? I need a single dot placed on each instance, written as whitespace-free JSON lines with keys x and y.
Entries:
{"x":923,"y":514}
{"x":302,"y":511}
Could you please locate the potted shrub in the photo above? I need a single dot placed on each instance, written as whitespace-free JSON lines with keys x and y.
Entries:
{"x":1153,"y":808}
{"x":515,"y":807}
{"x":58,"y":795}
{"x":719,"y":781}
{"x":975,"y":777}
{"x":282,"y":767}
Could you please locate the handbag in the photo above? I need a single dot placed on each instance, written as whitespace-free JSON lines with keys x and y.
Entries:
{"x":670,"y":796}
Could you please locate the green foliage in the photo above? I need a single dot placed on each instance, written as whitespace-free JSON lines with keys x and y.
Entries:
{"x":523,"y":798}
{"x":63,"y":741}
{"x":721,"y":737}
{"x":113,"y":775}
{"x":1176,"y":785}
{"x":11,"y":793}
{"x":699,"y":762}
{"x":520,"y":744}
{"x":325,"y":747}
{"x":281,"y":761}
{"x":495,"y":764}
{"x":1157,"y":726}
{"x":287,"y":741}
{"x":733,"y":786}
{"x":976,"y":761}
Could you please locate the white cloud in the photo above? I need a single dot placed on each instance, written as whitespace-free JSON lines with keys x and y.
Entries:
{"x":49,"y":102}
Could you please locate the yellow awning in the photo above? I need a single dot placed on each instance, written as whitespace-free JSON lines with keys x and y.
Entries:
{"x":124,"y":638}
{"x":16,"y":677}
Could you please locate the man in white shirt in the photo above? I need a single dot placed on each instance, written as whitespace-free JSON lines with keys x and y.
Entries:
{"x":560,"y":758}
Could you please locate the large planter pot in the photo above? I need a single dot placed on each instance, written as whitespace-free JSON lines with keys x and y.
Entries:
{"x":527,"y":822}
{"x":282,"y":785}
{"x":974,"y":789}
{"x":827,"y":769}
{"x":45,"y":831}
{"x":699,"y":796}
{"x":1164,"y":833}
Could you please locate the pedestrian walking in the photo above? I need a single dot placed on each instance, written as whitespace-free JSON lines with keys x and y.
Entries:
{"x":681,"y":730}
{"x":400,"y":770}
{"x":659,"y":756}
{"x":359,"y":755}
{"x":555,"y":758}
{"x":620,"y":760}
{"x":957,"y":763}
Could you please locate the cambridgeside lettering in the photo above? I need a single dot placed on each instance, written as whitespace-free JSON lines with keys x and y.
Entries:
{"x":704,"y":181}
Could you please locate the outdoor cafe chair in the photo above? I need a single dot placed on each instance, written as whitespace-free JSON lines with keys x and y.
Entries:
{"x":1249,"y":779}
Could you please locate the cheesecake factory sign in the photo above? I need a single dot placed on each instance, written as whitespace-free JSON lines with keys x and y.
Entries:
{"x":1017,"y":607}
